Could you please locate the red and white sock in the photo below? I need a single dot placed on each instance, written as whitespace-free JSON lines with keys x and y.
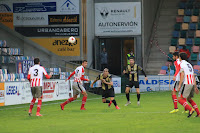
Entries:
{"x":194,"y":105}
{"x":175,"y":101}
{"x":32,"y":104}
{"x":185,"y":104}
{"x":83,"y":101}
{"x":39,"y":106}
{"x":68,"y":101}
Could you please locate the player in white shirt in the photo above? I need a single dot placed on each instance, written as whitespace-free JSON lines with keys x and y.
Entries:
{"x":78,"y":85}
{"x":35,"y":76}
{"x":189,"y":86}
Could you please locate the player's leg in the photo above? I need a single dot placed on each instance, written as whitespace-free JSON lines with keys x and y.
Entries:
{"x":104,"y":100}
{"x":39,"y":96}
{"x":111,"y":94}
{"x":174,"y":98}
{"x":138,"y":92}
{"x":194,"y":105}
{"x":76,"y":92}
{"x":32,"y":101}
{"x":127,"y":91}
{"x":183,"y":94}
{"x":84,"y":99}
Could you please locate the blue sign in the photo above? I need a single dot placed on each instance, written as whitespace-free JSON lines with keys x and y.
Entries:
{"x":155,"y":82}
{"x":34,"y":7}
{"x":11,"y":90}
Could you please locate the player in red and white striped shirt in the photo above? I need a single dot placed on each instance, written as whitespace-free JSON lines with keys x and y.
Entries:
{"x":176,"y":78}
{"x":78,"y":85}
{"x":35,"y":76}
{"x":189,"y":86}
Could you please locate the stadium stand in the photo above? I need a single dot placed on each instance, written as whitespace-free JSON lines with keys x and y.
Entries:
{"x":186,"y":32}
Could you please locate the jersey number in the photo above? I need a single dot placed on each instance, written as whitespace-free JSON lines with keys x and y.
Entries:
{"x":36,"y":72}
{"x":190,"y":69}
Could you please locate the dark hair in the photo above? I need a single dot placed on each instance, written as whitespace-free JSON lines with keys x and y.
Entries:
{"x":184,"y":47}
{"x":132,"y":58}
{"x":36,"y":61}
{"x":183,"y":56}
{"x":84,"y":61}
{"x":176,"y":54}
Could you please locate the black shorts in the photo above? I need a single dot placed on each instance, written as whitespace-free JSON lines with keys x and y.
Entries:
{"x":133,"y":83}
{"x":108,"y":93}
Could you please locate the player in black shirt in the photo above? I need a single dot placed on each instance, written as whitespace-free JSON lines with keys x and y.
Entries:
{"x":132,"y":73}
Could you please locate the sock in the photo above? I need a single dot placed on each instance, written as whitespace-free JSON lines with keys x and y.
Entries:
{"x":114,"y":102}
{"x":32,"y":103}
{"x":138,"y":97}
{"x":127,"y":97}
{"x":175,"y":101}
{"x":107,"y":101}
{"x":83,"y":101}
{"x":194,"y":105}
{"x":68,"y":101}
{"x":185,"y":104}
{"x":39,"y":106}
{"x":110,"y":103}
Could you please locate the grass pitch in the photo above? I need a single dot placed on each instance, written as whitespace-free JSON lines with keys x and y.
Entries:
{"x":152,"y":116}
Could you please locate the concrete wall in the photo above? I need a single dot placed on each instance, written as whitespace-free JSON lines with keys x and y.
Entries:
{"x":149,"y":13}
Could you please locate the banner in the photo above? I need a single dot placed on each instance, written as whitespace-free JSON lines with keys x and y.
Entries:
{"x":47,"y":31}
{"x":68,"y":6}
{"x":13,"y":93}
{"x":63,"y":19}
{"x":2,"y":96}
{"x":7,"y":19}
{"x":22,"y":66}
{"x":21,"y":19}
{"x":20,"y":92}
{"x":117,"y":85}
{"x":34,"y":7}
{"x":116,"y":19}
{"x":155,"y":83}
{"x":59,"y":46}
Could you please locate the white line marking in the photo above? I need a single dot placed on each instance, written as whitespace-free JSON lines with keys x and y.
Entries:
{"x":44,"y":104}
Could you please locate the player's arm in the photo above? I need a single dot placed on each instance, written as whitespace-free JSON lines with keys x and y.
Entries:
{"x":46,"y":75}
{"x":141,"y":69}
{"x":29,"y":76}
{"x":177,"y":71}
{"x":108,"y":83}
{"x":182,"y":74}
{"x":98,"y":78}
{"x":70,"y":75}
{"x":125,"y":72}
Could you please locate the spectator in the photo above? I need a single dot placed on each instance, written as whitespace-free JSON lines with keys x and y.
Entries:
{"x":104,"y":59}
{"x":129,"y":55}
{"x":184,"y":50}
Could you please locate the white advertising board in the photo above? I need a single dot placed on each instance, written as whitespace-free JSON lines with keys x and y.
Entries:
{"x":116,"y":19}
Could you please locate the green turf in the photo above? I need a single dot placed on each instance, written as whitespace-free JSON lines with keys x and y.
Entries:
{"x":151,"y":117}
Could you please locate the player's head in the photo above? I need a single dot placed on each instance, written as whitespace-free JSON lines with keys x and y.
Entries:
{"x":183,"y":56}
{"x":132,"y":60}
{"x":105,"y":71}
{"x":84,"y":63}
{"x":36,"y":61}
{"x":175,"y":55}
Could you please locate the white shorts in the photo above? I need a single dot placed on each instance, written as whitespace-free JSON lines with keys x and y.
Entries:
{"x":77,"y":88}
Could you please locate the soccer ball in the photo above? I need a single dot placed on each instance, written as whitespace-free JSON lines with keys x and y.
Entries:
{"x":72,"y":39}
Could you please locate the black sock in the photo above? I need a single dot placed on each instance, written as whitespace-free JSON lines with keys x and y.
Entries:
{"x":127,"y":97}
{"x":114,"y":102}
{"x":138,"y":97}
{"x":107,"y":101}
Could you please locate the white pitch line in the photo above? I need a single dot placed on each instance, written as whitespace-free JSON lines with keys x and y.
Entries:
{"x":44,"y":104}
